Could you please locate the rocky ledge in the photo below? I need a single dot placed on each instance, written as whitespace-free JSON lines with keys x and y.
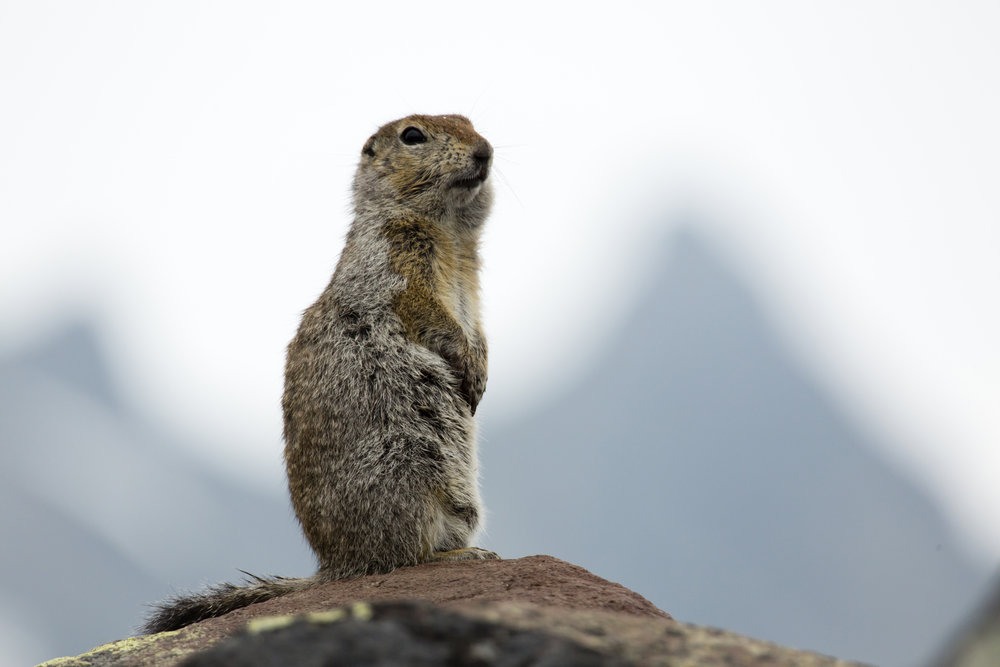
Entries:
{"x":528,"y":611}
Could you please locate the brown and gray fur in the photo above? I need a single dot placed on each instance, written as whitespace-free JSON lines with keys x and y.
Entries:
{"x":385,"y":373}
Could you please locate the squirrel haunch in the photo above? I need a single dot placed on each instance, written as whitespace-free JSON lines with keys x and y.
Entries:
{"x":386,"y":371}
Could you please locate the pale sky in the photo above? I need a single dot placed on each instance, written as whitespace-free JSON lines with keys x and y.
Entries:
{"x":183,"y":169}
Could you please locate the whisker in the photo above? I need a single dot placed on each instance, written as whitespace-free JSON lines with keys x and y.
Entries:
{"x":509,"y":187}
{"x":506,"y":159}
{"x":479,"y":97}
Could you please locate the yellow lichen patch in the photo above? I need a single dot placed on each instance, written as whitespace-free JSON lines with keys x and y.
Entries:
{"x":269,"y":623}
{"x":331,"y":616}
{"x":120,"y":647}
{"x":362,"y":611}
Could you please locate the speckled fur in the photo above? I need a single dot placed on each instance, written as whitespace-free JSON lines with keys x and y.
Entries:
{"x":385,"y":373}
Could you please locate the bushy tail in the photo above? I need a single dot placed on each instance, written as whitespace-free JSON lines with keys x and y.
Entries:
{"x":221,"y":599}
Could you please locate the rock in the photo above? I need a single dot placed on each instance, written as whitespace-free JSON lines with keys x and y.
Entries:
{"x":386,"y":634}
{"x":977,"y":643}
{"x":539,"y":610}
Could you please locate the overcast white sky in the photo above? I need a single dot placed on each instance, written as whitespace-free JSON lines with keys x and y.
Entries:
{"x":183,"y":169}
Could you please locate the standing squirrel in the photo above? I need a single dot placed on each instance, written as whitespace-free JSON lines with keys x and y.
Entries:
{"x":385,"y":373}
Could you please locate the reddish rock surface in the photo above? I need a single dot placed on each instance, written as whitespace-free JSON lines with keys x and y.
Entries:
{"x":538,"y":594}
{"x":540,"y":580}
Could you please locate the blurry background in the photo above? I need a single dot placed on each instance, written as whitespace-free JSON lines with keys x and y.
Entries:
{"x":740,"y":287}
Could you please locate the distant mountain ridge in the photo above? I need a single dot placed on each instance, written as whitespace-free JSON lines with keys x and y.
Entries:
{"x":102,"y":514}
{"x":698,"y":464}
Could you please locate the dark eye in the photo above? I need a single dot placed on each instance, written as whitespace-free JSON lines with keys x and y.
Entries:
{"x":412,"y":136}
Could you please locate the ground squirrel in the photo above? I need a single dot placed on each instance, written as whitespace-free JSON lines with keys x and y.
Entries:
{"x":385,"y":373}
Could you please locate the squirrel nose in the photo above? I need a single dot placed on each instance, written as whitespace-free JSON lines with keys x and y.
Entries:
{"x":482,"y":153}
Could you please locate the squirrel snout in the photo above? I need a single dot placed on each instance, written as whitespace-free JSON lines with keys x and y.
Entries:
{"x":482,"y":153}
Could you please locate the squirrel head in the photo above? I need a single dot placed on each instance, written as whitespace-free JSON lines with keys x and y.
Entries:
{"x":434,"y":165}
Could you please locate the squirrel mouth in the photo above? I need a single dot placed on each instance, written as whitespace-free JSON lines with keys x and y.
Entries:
{"x":471,"y":182}
{"x":468,"y":183}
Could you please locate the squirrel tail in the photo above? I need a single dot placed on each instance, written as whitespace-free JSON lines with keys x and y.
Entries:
{"x":182,"y":610}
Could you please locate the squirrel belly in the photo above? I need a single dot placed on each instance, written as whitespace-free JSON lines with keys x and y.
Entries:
{"x":383,"y":378}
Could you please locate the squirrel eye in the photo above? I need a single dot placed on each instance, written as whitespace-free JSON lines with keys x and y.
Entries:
{"x":412,"y":136}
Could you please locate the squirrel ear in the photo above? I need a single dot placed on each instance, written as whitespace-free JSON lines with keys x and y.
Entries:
{"x":369,"y":148}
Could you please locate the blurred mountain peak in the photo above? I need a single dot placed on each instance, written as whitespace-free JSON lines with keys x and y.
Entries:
{"x":71,"y":353}
{"x":698,"y":460}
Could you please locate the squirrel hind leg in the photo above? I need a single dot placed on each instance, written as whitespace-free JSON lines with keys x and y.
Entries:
{"x":465,"y":553}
